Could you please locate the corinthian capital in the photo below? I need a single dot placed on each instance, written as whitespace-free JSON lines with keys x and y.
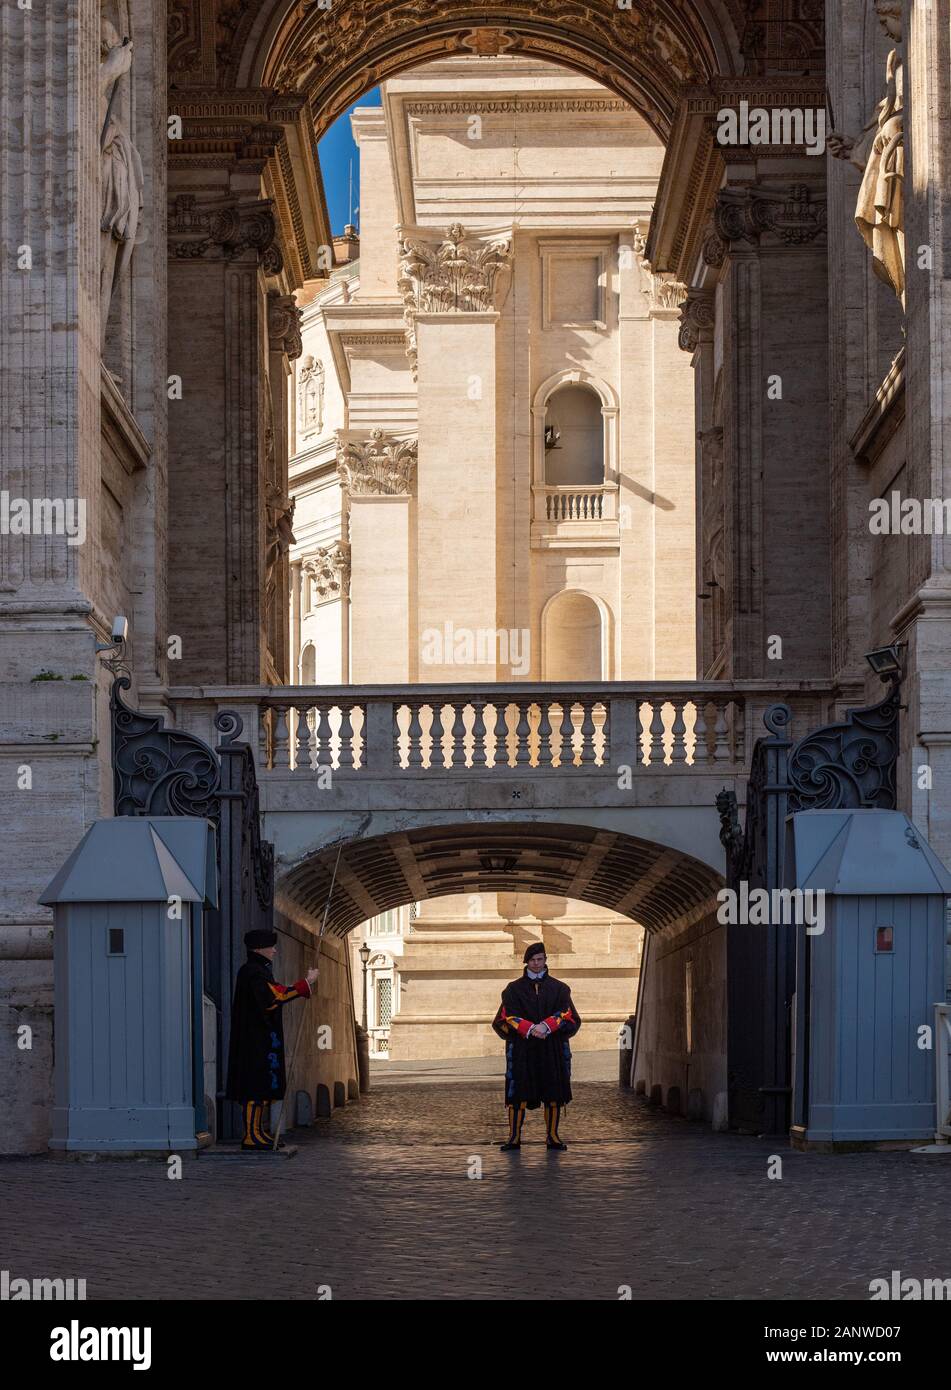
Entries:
{"x":457,"y":274}
{"x":379,"y":466}
{"x":328,"y":570}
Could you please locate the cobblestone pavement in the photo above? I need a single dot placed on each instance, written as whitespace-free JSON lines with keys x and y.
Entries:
{"x":378,"y":1204}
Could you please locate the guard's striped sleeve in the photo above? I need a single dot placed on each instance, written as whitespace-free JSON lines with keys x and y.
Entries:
{"x":522,"y":1026}
{"x":283,"y":994}
{"x":556,"y":1021}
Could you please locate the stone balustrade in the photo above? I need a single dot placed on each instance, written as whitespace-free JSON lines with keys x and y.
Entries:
{"x":575,"y":503}
{"x":446,"y":731}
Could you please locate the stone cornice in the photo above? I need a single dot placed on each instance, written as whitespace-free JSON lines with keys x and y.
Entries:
{"x":265,"y":132}
{"x":521,"y":105}
{"x":694,"y":164}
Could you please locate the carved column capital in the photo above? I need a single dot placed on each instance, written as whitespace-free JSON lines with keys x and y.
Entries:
{"x":379,"y":466}
{"x":458,"y":274}
{"x":284,"y":324}
{"x":216,"y":229}
{"x":791,"y":215}
{"x":696,"y":313}
{"x":328,"y":570}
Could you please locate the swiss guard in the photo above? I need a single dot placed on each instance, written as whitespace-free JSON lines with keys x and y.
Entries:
{"x":536,"y":1018}
{"x":256,"y":1073}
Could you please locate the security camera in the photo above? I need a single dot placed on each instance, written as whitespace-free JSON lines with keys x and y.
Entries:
{"x":120,"y":629}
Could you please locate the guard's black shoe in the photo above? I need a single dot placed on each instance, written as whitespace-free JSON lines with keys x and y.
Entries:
{"x":507,"y":1148}
{"x":555,"y":1144}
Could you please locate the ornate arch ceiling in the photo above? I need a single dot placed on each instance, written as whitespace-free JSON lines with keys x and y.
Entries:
{"x":646,"y":882}
{"x":331,"y":56}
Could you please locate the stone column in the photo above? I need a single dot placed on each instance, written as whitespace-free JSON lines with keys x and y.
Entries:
{"x":284,"y":346}
{"x":378,"y":473}
{"x":220,"y":252}
{"x":775,"y":425}
{"x":450,"y":290}
{"x":924,"y":620}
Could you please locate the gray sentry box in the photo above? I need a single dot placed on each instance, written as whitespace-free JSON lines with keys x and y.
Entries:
{"x":128,"y":975}
{"x":868,"y":983}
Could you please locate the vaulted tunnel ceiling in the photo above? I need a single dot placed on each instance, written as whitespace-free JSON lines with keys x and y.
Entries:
{"x":646,"y":882}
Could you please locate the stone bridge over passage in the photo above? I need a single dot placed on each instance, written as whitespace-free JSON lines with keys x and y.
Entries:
{"x":604,"y":793}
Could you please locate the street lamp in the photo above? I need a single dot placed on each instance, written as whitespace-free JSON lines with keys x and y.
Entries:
{"x":887,"y":662}
{"x":365,"y":957}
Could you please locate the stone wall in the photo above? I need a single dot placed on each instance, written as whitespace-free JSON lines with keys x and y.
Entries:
{"x":688,"y":1082}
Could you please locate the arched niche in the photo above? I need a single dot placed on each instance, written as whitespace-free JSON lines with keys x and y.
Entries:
{"x":308,"y":664}
{"x":576,"y":638}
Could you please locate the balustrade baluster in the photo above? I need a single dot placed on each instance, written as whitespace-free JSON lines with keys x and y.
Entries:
{"x":457,"y":739}
{"x":302,"y":756}
{"x":523,"y":752}
{"x":281,"y":757}
{"x":544,"y":735}
{"x":323,"y":753}
{"x":588,"y":750}
{"x":700,"y":750}
{"x":415,"y":755}
{"x":721,"y":750}
{"x":678,"y":747}
{"x":346,"y":757}
{"x":655,"y":751}
{"x":500,"y":755}
{"x":556,"y":713}
{"x":264,"y":738}
{"x":480,"y":734}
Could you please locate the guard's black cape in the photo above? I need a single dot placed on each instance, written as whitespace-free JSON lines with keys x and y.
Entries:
{"x":256,"y":1051}
{"x":537,"y":1069}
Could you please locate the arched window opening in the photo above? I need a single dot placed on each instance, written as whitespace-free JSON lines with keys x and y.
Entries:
{"x":574,"y":438}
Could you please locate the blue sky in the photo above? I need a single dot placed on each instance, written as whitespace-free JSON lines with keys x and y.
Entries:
{"x":335,"y":151}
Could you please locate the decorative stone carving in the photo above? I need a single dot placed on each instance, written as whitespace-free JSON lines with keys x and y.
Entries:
{"x":487,"y":43}
{"x":228,"y":231}
{"x":460,"y":273}
{"x":328,"y":571}
{"x":357,"y":36}
{"x":379,"y":466}
{"x":696,"y":312}
{"x":310,"y":396}
{"x":278,"y":526}
{"x":713,"y":250}
{"x":664,"y":295}
{"x":122,"y":183}
{"x":791,"y":214}
{"x":283,"y":324}
{"x":880,"y":154}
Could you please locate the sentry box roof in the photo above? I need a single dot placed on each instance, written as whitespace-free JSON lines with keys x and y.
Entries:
{"x":140,"y":859}
{"x":865,"y":853}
